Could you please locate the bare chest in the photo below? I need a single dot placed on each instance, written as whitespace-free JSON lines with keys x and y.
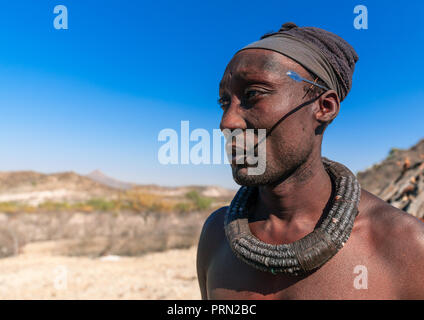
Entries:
{"x":353,"y":273}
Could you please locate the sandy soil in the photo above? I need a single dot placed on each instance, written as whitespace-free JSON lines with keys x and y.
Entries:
{"x":38,"y":274}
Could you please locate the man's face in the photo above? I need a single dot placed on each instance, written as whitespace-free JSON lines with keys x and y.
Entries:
{"x":255,"y":93}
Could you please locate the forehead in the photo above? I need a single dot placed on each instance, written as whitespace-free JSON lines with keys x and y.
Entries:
{"x":258,"y":64}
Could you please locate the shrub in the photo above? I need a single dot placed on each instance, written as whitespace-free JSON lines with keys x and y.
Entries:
{"x":54,"y":206}
{"x":101,"y":204}
{"x":182,"y":207}
{"x":201,"y":203}
{"x":9,"y":207}
{"x":392,"y":152}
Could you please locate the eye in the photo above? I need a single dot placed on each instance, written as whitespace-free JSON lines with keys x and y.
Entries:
{"x":251,"y":93}
{"x":223,"y":102}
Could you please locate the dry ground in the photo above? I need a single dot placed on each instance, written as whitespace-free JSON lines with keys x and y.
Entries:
{"x":38,"y":273}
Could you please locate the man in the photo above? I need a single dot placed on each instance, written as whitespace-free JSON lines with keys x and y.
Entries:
{"x":303,"y":229}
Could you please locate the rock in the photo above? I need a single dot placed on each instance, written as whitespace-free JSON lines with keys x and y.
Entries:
{"x":399,"y":179}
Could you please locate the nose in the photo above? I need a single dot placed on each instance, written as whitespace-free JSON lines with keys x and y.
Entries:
{"x":233,"y":117}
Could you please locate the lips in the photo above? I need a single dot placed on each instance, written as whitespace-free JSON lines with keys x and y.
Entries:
{"x":238,"y":156}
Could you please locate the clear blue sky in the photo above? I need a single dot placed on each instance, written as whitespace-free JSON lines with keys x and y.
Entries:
{"x":95,"y":96}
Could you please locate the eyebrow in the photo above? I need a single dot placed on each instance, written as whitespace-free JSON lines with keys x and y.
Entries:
{"x":247,"y":76}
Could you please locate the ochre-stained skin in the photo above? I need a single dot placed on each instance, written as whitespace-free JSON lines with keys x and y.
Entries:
{"x":386,"y":241}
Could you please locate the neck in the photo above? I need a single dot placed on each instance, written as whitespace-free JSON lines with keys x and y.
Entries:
{"x":253,"y":242}
{"x":301,"y":197}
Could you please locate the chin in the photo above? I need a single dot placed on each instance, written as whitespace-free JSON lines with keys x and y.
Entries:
{"x":241,"y":177}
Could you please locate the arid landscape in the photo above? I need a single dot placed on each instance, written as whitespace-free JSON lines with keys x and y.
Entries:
{"x":69,"y":236}
{"x":38,"y":273}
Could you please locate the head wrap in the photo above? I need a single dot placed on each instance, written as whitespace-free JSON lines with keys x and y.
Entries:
{"x":322,"y":53}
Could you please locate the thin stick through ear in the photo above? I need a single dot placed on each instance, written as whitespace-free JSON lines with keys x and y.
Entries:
{"x":310,"y":88}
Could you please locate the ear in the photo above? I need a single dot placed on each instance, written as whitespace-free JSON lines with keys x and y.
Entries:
{"x":329,"y":106}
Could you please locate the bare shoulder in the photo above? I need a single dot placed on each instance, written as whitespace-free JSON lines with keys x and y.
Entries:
{"x":391,"y":224}
{"x":211,"y":238}
{"x":212,"y":234}
{"x":213,"y":228}
{"x":398,"y":237}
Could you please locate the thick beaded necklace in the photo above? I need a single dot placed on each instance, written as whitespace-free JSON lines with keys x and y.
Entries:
{"x":312,"y":251}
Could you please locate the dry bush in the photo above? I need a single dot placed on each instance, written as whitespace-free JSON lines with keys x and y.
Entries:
{"x":134,"y":223}
{"x":9,"y":244}
{"x":131,"y":200}
{"x":103,"y":233}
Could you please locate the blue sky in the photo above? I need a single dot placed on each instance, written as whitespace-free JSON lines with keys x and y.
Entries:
{"x":95,"y":96}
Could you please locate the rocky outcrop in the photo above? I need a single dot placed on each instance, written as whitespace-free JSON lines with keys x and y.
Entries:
{"x":399,"y":179}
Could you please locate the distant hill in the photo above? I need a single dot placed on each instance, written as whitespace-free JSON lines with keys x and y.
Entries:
{"x":35,"y":188}
{"x":100,"y":177}
{"x":207,"y":191}
{"x":399,"y":179}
